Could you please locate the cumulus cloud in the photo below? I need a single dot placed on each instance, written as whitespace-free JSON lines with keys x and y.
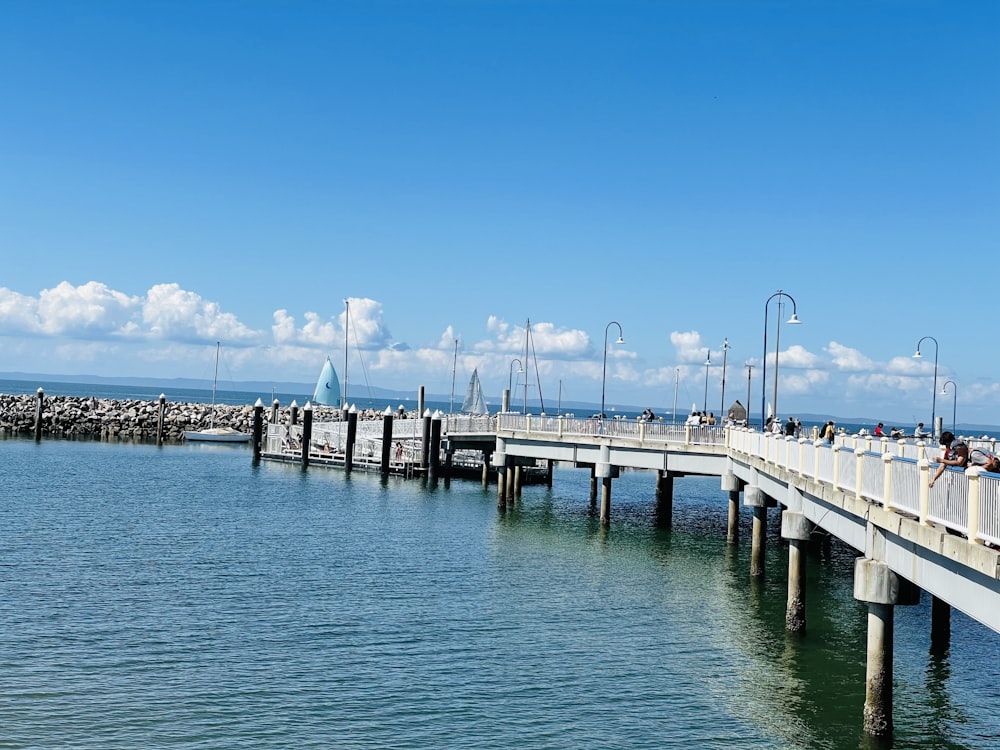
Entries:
{"x":90,"y":310}
{"x":846,"y":359}
{"x":366,"y":328}
{"x":170,"y":312}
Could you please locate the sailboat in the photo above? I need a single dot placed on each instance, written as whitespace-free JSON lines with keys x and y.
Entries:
{"x":327,"y":390}
{"x":212,"y":433}
{"x":474,"y":402}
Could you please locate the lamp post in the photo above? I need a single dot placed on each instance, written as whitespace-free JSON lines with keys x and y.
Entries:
{"x":749,"y":370}
{"x":510,"y":378}
{"x":708,"y":362}
{"x":954,"y":400}
{"x":794,"y":320}
{"x":933,"y":392}
{"x":725,"y":352}
{"x":604,"y":371}
{"x":677,"y":377}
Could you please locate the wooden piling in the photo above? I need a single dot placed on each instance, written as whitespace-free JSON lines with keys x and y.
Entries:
{"x":386,"y":441}
{"x":258,"y":430}
{"x":307,"y":429}
{"x":159,"y":419}
{"x":38,"y":414}
{"x":352,"y":436}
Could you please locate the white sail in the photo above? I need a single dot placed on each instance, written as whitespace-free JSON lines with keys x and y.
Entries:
{"x":327,"y":390}
{"x":474,"y":402}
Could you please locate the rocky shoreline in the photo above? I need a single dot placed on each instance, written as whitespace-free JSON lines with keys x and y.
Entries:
{"x":115,"y":419}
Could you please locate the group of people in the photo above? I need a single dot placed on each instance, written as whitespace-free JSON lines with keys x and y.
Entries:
{"x":896,"y":433}
{"x":700,"y":417}
{"x":792,"y":427}
{"x":956,"y":453}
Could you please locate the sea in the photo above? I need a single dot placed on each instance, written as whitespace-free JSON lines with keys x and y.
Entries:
{"x":184,"y":597}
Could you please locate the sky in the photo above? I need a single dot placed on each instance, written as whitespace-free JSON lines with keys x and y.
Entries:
{"x":173,"y":174}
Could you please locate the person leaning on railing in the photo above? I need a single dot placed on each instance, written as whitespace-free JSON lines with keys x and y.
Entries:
{"x":956,"y":453}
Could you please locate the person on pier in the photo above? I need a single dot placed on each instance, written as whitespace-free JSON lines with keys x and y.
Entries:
{"x":919,"y":432}
{"x":956,"y":453}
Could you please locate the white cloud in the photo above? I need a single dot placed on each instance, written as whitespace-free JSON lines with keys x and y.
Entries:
{"x":847,"y":359}
{"x":170,"y":312}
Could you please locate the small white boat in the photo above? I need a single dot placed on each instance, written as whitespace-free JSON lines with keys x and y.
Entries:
{"x":218,"y":435}
{"x":212,"y":433}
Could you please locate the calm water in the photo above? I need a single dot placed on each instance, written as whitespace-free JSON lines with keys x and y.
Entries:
{"x":182,"y":598}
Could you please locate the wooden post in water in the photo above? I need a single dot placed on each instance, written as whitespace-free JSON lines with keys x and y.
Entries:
{"x":274,"y":411}
{"x":426,"y":438}
{"x":293,"y":412}
{"x":434,"y":449}
{"x":940,"y":626}
{"x":352,"y":436}
{"x":664,"y":499}
{"x":797,"y":529}
{"x":487,"y":459}
{"x":159,"y":419}
{"x":548,"y":473}
{"x":258,"y":430}
{"x":38,"y":414}
{"x":386,"y":441}
{"x":307,"y":433}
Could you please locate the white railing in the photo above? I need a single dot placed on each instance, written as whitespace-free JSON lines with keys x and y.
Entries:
{"x":893,"y":475}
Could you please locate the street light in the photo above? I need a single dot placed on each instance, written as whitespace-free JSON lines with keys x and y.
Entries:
{"x":725,"y":352}
{"x":677,"y":377}
{"x":604,"y":372}
{"x":708,"y":362}
{"x":934,"y":392}
{"x":749,"y":370}
{"x":794,"y":320}
{"x":954,"y":400}
{"x":510,"y":377}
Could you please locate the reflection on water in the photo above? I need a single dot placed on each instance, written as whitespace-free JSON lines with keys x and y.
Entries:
{"x":146,"y":590}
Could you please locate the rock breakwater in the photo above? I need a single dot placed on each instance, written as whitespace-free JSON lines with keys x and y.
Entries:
{"x":115,"y":419}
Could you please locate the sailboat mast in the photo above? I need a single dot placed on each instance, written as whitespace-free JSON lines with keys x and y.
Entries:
{"x":454,"y":364}
{"x":347,"y":324}
{"x":215,"y":381}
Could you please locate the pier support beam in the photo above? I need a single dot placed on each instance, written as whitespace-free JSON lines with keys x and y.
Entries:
{"x":486,"y":469}
{"x":731,"y":484}
{"x":756,"y":499}
{"x":797,"y":529}
{"x":881,"y":589}
{"x":593,"y":489}
{"x":940,"y":626}
{"x":604,"y":470}
{"x":664,"y":499}
{"x":518,"y":480}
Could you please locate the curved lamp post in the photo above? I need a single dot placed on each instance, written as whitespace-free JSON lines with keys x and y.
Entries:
{"x":510,"y":377}
{"x":725,"y":351}
{"x":934,"y":392}
{"x":708,"y":363}
{"x":794,"y":320}
{"x":604,"y":371}
{"x":954,"y":400}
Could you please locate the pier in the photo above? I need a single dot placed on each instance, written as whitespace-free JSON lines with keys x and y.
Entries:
{"x":870,"y":493}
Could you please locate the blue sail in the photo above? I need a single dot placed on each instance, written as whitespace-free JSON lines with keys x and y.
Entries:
{"x":327,"y":387}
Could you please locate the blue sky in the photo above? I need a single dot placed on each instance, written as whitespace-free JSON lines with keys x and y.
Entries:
{"x":176,"y":174}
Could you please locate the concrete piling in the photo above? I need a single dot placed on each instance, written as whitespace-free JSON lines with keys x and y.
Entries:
{"x":756,"y":499}
{"x":797,"y":529}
